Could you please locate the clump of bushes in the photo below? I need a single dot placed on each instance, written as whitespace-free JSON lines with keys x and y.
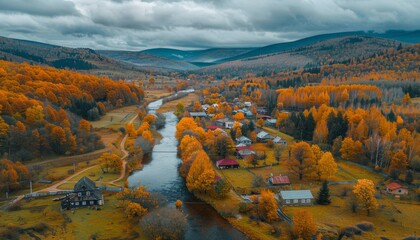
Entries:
{"x":365,"y":226}
{"x":349,"y":231}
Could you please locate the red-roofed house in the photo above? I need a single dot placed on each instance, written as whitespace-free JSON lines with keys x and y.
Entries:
{"x":227,"y":163}
{"x":213,"y":127}
{"x":396,"y":189}
{"x":279,"y":180}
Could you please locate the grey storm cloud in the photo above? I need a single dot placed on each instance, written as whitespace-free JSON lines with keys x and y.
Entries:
{"x":139,"y":24}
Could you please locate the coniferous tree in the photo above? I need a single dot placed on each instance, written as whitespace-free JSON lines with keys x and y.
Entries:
{"x":324,"y":194}
{"x":409,"y":177}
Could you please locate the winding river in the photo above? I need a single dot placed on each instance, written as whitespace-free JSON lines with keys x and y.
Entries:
{"x":161,"y":175}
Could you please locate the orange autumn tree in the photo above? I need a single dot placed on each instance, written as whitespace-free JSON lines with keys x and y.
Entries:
{"x":267,"y":206}
{"x":302,"y":160}
{"x":327,"y":167}
{"x":364,"y":190}
{"x":351,"y":150}
{"x":304,"y":226}
{"x":189,"y":145}
{"x":201,"y":174}
{"x":186,"y":123}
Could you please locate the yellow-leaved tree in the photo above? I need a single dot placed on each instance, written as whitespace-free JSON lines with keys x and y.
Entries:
{"x":351,"y":150}
{"x":134,"y":210}
{"x":304,"y":226}
{"x":302,"y":160}
{"x":189,"y":145}
{"x":365,"y":194}
{"x":267,"y":207}
{"x":186,"y":123}
{"x":110,"y":162}
{"x":327,"y":167}
{"x":201,"y":174}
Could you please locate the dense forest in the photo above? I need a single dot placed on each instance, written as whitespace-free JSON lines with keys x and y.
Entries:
{"x":44,"y":110}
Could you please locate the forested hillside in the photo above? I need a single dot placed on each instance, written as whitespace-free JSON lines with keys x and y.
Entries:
{"x":41,"y":109}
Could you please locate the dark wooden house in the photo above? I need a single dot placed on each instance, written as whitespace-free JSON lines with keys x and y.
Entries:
{"x":85,"y":193}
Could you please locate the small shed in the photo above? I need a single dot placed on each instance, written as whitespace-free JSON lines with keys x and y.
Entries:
{"x":279,"y":180}
{"x":279,"y":140}
{"x":198,"y":114}
{"x":244,"y":152}
{"x":264,"y":136}
{"x":396,"y":189}
{"x":296,"y":197}
{"x":227,"y":163}
{"x":243,"y":140}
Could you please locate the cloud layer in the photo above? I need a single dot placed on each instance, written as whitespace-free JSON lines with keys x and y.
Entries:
{"x":136,"y":24}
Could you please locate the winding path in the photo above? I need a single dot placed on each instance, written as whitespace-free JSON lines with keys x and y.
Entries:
{"x":54,"y":187}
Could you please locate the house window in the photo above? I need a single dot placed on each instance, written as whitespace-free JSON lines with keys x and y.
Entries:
{"x":77,"y":203}
{"x":399,"y":190}
{"x":287,"y":201}
{"x":79,"y":194}
{"x":295,"y":200}
{"x":91,"y":203}
{"x":84,"y":203}
{"x":87,"y":193}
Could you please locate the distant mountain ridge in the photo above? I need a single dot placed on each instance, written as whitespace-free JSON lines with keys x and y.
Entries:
{"x":304,"y":52}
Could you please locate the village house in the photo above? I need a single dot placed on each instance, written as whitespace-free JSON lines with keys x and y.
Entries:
{"x":85,"y":193}
{"x":225,"y":123}
{"x":247,"y":104}
{"x":396,"y":189}
{"x":243,"y":152}
{"x":243,"y":140}
{"x":278,"y":180}
{"x":296,"y":197}
{"x":270,"y":122}
{"x":227,"y":163}
{"x":198,"y":114}
{"x":264,"y":136}
{"x":279,"y":140}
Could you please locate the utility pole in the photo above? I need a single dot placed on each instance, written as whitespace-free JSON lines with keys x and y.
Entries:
{"x":30,"y":186}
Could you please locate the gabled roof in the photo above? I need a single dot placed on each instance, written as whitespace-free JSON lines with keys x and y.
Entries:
{"x":227,"y":162}
{"x":240,"y":147}
{"x":296,"y":194}
{"x":212,"y":127}
{"x":198,"y":114}
{"x":242,"y":138}
{"x":264,"y":134}
{"x":278,"y":139}
{"x":223,"y":120}
{"x":85,"y":184}
{"x":393,"y":186}
{"x":280,"y":180}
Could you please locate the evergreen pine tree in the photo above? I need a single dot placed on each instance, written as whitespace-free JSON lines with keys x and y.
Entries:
{"x":409,"y":177}
{"x":324,"y":194}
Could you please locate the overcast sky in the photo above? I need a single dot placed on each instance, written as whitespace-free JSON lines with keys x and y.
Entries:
{"x":137,"y":24}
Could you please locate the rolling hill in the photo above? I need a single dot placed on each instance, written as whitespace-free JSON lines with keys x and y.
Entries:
{"x":325,"y":52}
{"x":80,"y":59}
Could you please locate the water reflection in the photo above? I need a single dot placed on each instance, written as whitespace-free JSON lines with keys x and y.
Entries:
{"x":161,"y":175}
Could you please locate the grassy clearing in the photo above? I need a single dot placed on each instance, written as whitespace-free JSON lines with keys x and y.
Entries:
{"x":259,"y":230}
{"x":116,"y":118}
{"x":392,"y":220}
{"x":95,"y":174}
{"x":108,"y":223}
{"x":238,"y":177}
{"x":351,"y":172}
{"x":154,"y":94}
{"x":186,"y":101}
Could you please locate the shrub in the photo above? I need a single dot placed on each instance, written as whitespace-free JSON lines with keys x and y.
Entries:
{"x":349,"y":231}
{"x":276,"y":231}
{"x":11,"y":233}
{"x":245,"y":207}
{"x":165,"y":223}
{"x":365,"y":226}
{"x":40,"y":227}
